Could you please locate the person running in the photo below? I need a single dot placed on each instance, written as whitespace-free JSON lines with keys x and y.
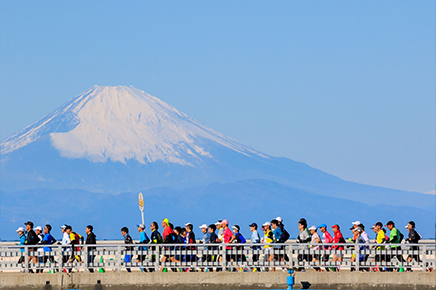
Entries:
{"x":180,"y":239}
{"x":21,"y":232}
{"x":213,"y":239}
{"x":326,"y":239}
{"x":395,"y":238}
{"x":169,"y":237}
{"x":228,"y":237}
{"x":91,"y":239}
{"x":155,"y":238}
{"x":315,"y":240}
{"x":255,"y":239}
{"x":40,"y":250}
{"x":239,"y":239}
{"x":413,"y":238}
{"x":363,"y":241}
{"x":143,"y":239}
{"x":380,"y":240}
{"x":66,"y":249}
{"x":128,"y":241}
{"x":220,"y":230}
{"x":47,"y":240}
{"x":75,"y":240}
{"x":205,"y":257}
{"x":338,"y":238}
{"x":268,"y":239}
{"x":303,"y":238}
{"x":285,"y":235}
{"x":190,"y":239}
{"x":278,"y":238}
{"x":31,"y":239}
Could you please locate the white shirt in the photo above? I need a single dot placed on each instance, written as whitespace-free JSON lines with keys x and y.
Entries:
{"x":66,"y":241}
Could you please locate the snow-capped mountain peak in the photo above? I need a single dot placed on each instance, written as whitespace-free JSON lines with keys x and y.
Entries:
{"x":120,"y":123}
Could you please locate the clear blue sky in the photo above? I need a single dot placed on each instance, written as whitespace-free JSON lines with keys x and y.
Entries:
{"x":345,"y":86}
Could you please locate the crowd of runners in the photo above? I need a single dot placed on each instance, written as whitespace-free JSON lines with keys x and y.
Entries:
{"x":272,"y":233}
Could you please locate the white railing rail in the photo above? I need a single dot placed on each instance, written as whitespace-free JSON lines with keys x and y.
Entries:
{"x":221,"y":257}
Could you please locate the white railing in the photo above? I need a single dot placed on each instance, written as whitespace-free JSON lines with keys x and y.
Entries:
{"x":218,"y":257}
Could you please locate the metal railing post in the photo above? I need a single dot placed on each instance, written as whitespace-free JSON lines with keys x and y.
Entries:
{"x":424,"y":258}
{"x":291,"y":258}
{"x":357,"y":255}
{"x":118,"y":257}
{"x":26,"y":258}
{"x":223,"y":255}
{"x":85,"y":258}
{"x":60,"y":257}
{"x":156,"y":257}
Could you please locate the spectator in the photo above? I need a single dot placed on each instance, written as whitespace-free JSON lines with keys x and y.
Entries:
{"x":90,"y":240}
{"x":128,"y":241}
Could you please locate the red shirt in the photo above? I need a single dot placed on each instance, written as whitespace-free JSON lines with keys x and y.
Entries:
{"x":337,"y":239}
{"x":167,"y":231}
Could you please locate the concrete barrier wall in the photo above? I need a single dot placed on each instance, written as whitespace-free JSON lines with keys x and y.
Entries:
{"x":222,"y":280}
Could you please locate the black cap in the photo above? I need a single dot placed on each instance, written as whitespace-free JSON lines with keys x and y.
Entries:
{"x":380,"y":224}
{"x":390,"y":223}
{"x":29,"y":223}
{"x":253,"y":225}
{"x":68,"y":228}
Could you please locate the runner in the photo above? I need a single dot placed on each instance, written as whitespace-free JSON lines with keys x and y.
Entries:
{"x":315,"y":240}
{"x":239,"y":239}
{"x":303,"y":237}
{"x":190,"y":239}
{"x":155,"y":238}
{"x":169,"y":237}
{"x":278,"y":238}
{"x":40,"y":250}
{"x":228,"y":238}
{"x":213,"y":239}
{"x":65,"y":248}
{"x":338,"y":238}
{"x":395,"y":238}
{"x":75,"y":240}
{"x":127,"y":240}
{"x":413,"y":238}
{"x":206,"y":240}
{"x":31,"y":239}
{"x":268,"y":238}
{"x":285,"y":235}
{"x":326,"y":239}
{"x":48,"y":240}
{"x":255,"y":239}
{"x":21,"y":232}
{"x":90,"y":240}
{"x":143,"y":239}
{"x":380,"y":239}
{"x":220,"y":230}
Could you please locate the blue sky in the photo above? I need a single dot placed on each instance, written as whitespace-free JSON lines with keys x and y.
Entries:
{"x":345,"y":86}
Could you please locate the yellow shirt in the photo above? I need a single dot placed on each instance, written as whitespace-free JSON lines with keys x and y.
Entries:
{"x":381,"y":238}
{"x":268,"y":238}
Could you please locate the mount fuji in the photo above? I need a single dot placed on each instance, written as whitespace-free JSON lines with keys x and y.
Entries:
{"x":119,"y":139}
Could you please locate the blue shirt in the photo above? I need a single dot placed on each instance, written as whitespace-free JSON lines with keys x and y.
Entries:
{"x":206,"y":239}
{"x":255,"y":239}
{"x":48,"y":239}
{"x":277,"y":234}
{"x":143,"y":239}
{"x":22,"y":240}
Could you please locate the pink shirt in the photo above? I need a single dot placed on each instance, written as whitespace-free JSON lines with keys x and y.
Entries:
{"x":227,"y":236}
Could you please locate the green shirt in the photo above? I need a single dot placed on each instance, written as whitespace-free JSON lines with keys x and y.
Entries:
{"x":394,"y":238}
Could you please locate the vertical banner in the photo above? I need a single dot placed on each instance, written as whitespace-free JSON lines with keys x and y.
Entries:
{"x":141,"y":206}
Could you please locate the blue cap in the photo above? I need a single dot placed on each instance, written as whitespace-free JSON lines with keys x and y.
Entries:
{"x":253,"y":225}
{"x":322,"y":226}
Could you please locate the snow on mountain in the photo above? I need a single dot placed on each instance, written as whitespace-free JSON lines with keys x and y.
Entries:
{"x":119,"y":123}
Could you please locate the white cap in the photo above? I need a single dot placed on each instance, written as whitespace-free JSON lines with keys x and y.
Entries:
{"x":356,"y":223}
{"x":313,"y":228}
{"x":187,"y":224}
{"x":20,"y":229}
{"x":63,"y":226}
{"x":279,"y":219}
{"x":203,"y":226}
{"x":407,"y":226}
{"x":142,"y":226}
{"x":38,"y":228}
{"x":266,"y":224}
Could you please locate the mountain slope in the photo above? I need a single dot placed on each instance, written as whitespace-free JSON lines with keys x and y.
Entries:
{"x":240,"y":202}
{"x":120,"y":139}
